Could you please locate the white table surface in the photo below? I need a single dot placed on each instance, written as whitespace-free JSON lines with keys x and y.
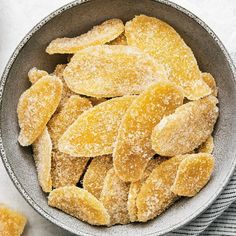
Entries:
{"x":17,"y":17}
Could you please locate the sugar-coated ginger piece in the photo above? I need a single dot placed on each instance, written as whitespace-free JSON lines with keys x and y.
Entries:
{"x":193,"y":174}
{"x":98,"y":35}
{"x":73,"y":107}
{"x":210,"y":81}
{"x":42,"y":149}
{"x":96,"y":172}
{"x":67,"y":170}
{"x":80,"y":204}
{"x":36,"y":106}
{"x":35,"y":74}
{"x":133,"y":147}
{"x":162,"y":42}
{"x":135,"y":188}
{"x":96,"y":101}
{"x":185,"y":129}
{"x":112,"y":70}
{"x":120,"y":40}
{"x":114,"y":197}
{"x":94,"y":132}
{"x":12,"y":223}
{"x":207,"y":146}
{"x":155,"y":195}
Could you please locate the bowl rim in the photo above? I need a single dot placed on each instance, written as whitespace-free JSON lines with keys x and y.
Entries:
{"x":4,"y":77}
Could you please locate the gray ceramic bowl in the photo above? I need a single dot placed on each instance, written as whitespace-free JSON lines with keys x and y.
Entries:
{"x":74,"y":19}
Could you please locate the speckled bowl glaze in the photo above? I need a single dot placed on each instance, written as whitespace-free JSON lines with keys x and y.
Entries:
{"x":74,"y":19}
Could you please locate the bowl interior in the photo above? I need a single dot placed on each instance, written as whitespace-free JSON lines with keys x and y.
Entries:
{"x":79,"y":19}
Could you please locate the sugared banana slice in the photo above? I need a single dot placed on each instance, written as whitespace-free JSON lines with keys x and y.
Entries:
{"x":36,"y":106}
{"x":193,"y":174}
{"x":112,"y":70}
{"x":133,"y":145}
{"x":162,"y":42}
{"x":80,"y":204}
{"x":98,"y":35}
{"x":184,"y":130}
{"x":94,"y":132}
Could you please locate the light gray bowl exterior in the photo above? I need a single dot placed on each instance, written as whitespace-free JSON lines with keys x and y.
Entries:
{"x":74,"y":19}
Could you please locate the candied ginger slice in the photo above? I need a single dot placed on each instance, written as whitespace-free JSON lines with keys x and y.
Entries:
{"x":12,"y":223}
{"x":67,"y":170}
{"x":162,"y":42}
{"x":80,"y":204}
{"x":35,"y":74}
{"x":207,"y":146}
{"x":73,"y":107}
{"x":98,"y":35}
{"x":114,"y":197}
{"x":135,"y":188}
{"x":155,"y":195}
{"x":120,"y":40}
{"x":133,"y":146}
{"x":112,"y":70}
{"x":42,"y":149}
{"x":36,"y":106}
{"x":185,"y":129}
{"x":193,"y":174}
{"x":94,"y":132}
{"x":210,"y":81}
{"x":96,"y":172}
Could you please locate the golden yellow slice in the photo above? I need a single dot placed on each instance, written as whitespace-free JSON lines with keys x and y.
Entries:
{"x":133,"y":146}
{"x":162,"y":42}
{"x":120,"y":40}
{"x":73,"y":107}
{"x":155,"y":195}
{"x":42,"y":149}
{"x":96,"y":172}
{"x":12,"y":223}
{"x":35,"y":74}
{"x":80,"y":204}
{"x":193,"y":174}
{"x":67,"y":170}
{"x":135,"y":188}
{"x":184,"y":130}
{"x":112,"y":70}
{"x":98,"y":35}
{"x":36,"y":106}
{"x":94,"y":132}
{"x":210,"y":81}
{"x":207,"y":146}
{"x":114,"y":197}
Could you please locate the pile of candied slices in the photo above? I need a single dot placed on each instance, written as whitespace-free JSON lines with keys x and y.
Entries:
{"x":122,"y":130}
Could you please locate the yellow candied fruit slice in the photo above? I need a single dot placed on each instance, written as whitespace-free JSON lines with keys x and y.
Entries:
{"x":112,"y":70}
{"x":96,"y":101}
{"x":207,"y":146}
{"x":80,"y":204}
{"x":35,"y":74}
{"x":36,"y":106}
{"x":94,"y":132}
{"x":162,"y":42}
{"x":133,"y":146}
{"x":96,"y":172}
{"x":42,"y":149}
{"x":193,"y":174}
{"x":73,"y":107}
{"x":98,"y":35}
{"x":184,"y":130}
{"x":135,"y":188}
{"x":120,"y":40}
{"x":12,"y":223}
{"x":210,"y":81}
{"x":114,"y":197}
{"x":155,"y":195}
{"x":67,"y":170}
